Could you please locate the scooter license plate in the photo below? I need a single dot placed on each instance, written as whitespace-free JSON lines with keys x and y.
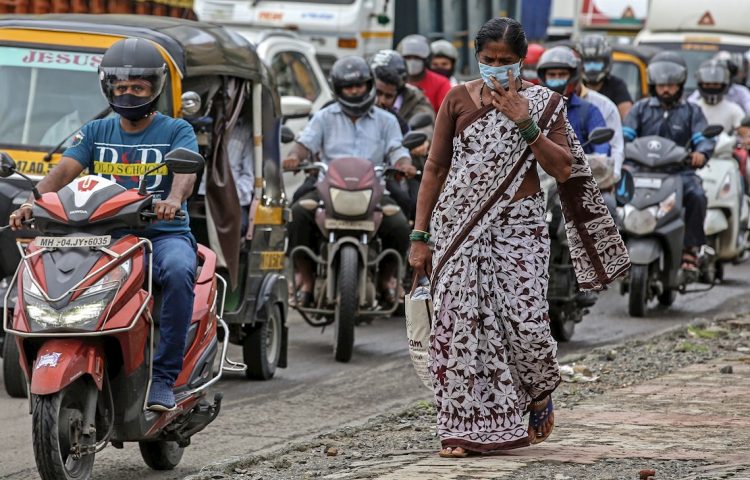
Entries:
{"x":645,"y":182}
{"x":336,"y":224}
{"x":73,"y":242}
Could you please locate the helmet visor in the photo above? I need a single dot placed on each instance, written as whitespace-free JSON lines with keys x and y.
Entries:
{"x":132,"y":87}
{"x":666,"y":73}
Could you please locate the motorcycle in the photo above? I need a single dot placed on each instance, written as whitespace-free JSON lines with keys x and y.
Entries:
{"x":653,"y":224}
{"x":86,"y":327}
{"x":566,"y":305}
{"x":348,"y":262}
{"x":728,"y":211}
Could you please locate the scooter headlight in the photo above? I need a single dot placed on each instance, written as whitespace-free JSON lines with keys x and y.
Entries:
{"x":726,"y":188}
{"x":350,"y":203}
{"x":640,"y":222}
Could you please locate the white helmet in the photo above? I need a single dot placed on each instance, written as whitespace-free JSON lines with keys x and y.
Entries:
{"x":444,"y":48}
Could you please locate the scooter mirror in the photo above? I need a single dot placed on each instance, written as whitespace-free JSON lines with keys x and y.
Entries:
{"x":420,"y":120}
{"x":7,"y":165}
{"x":413,"y":140}
{"x":287,"y":134}
{"x":600,"y":135}
{"x":625,"y":188}
{"x":712,"y":130}
{"x":182,"y":160}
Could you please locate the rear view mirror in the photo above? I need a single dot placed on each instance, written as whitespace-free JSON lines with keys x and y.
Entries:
{"x":712,"y":130}
{"x":287,"y":134}
{"x":7,"y":165}
{"x":295,"y":107}
{"x":420,"y":120}
{"x":413,"y":140}
{"x":184,"y":161}
{"x":601,"y":135}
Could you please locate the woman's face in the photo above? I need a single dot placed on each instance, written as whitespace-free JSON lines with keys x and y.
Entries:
{"x":497,"y":54}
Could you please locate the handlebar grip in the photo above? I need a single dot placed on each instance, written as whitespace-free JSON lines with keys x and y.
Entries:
{"x":179,"y":215}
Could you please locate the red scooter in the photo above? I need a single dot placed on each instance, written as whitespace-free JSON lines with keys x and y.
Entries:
{"x":86,"y":326}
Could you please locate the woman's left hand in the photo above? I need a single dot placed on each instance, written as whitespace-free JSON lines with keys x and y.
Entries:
{"x":509,"y":102}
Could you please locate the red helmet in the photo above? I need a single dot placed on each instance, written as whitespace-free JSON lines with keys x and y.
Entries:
{"x":533,"y":55}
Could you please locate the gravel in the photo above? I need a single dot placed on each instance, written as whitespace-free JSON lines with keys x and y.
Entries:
{"x":366,"y":451}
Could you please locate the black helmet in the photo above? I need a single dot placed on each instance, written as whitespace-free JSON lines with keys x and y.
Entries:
{"x":348,"y":71}
{"x":715,"y":72}
{"x":559,"y":57}
{"x":389,"y":67}
{"x":127,"y":60}
{"x":596,"y":54}
{"x":666,"y":68}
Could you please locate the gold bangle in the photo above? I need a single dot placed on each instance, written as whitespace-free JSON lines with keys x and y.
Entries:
{"x":27,"y":204}
{"x":535,"y":140}
{"x":421,"y":231}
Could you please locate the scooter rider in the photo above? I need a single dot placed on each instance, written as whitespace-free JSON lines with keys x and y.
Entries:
{"x":416,"y":52}
{"x":713,"y":83}
{"x":737,"y":93}
{"x":443,"y":60}
{"x":664,"y":113}
{"x":596,"y":54}
{"x":132,"y":75}
{"x":352,"y":126}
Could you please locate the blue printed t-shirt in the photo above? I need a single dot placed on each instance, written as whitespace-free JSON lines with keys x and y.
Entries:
{"x":105,"y":149}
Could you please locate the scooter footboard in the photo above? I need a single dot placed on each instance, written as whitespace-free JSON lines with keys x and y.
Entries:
{"x":61,"y":361}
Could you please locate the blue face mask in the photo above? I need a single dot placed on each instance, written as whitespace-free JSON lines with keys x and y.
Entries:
{"x":593,"y":66}
{"x":555,"y":83}
{"x":500,"y":73}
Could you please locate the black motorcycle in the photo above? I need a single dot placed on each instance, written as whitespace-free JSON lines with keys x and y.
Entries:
{"x":653,"y":222}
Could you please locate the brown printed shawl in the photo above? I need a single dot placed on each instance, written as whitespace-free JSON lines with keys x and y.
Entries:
{"x":597,"y":251}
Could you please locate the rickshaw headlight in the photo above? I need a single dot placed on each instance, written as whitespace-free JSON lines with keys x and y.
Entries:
{"x":350,"y":203}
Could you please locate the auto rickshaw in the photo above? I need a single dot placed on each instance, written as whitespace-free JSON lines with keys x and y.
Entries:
{"x":48,"y":66}
{"x":629,"y":62}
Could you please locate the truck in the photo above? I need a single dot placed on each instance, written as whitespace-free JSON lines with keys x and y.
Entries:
{"x":335,"y":28}
{"x":616,"y":18}
{"x":697,"y":29}
{"x":165,"y":8}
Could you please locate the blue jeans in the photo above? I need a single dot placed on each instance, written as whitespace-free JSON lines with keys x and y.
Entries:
{"x":175,"y":263}
{"x":696,"y":203}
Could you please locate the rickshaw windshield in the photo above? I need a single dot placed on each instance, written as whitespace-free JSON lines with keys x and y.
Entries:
{"x":46,"y":95}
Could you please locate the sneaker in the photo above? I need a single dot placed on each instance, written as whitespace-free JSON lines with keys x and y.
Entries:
{"x":161,"y":398}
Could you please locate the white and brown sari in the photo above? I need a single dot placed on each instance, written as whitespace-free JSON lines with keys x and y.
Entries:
{"x":492,"y":352}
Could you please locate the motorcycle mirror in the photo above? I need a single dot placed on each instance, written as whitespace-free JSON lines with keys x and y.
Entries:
{"x":625,"y":188}
{"x":600,"y":135}
{"x":181,"y":160}
{"x":413,"y":140}
{"x":287,"y":134}
{"x":420,"y":120}
{"x":7,"y":165}
{"x":712,"y":130}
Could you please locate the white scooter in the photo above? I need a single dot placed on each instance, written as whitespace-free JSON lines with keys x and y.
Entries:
{"x":726,"y":224}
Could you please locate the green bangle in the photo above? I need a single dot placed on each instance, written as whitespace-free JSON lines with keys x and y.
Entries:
{"x":531,"y":133}
{"x":417,"y":236}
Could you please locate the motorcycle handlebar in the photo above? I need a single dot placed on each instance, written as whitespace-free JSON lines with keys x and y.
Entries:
{"x":308,"y":166}
{"x":25,"y":222}
{"x":146,"y":214}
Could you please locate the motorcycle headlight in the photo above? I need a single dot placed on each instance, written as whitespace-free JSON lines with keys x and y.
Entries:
{"x":726,"y":187}
{"x":350,"y":203}
{"x":83,"y":312}
{"x":666,"y":205}
{"x":640,"y":222}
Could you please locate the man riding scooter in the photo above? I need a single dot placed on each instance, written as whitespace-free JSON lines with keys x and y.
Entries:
{"x":351,"y":127}
{"x":132,"y":75}
{"x":665,"y":114}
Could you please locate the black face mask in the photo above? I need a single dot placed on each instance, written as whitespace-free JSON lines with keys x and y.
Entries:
{"x":130,"y":107}
{"x":446,"y":72}
{"x":671,"y":100}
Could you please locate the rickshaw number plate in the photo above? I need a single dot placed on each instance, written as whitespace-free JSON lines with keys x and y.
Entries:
{"x":272,"y":260}
{"x":644,"y":182}
{"x":73,"y":242}
{"x":335,"y":224}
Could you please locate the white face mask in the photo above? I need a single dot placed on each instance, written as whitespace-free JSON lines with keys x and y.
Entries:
{"x":414,"y":67}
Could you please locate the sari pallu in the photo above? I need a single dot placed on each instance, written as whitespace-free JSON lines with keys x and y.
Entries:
{"x":491,"y":349}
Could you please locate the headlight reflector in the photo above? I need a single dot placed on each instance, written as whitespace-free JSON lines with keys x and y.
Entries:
{"x":350,"y":203}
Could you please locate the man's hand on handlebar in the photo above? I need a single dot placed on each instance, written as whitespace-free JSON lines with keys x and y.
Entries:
{"x":18,"y":217}
{"x":697,"y":159}
{"x":409,"y":170}
{"x":422,"y":150}
{"x":291,"y":163}
{"x":166,"y":209}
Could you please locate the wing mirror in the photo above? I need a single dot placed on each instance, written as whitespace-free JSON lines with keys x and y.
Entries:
{"x":184,"y":161}
{"x":413,"y":140}
{"x":421,"y":120}
{"x":287,"y":134}
{"x":7,"y":165}
{"x":295,"y":107}
{"x":600,"y":135}
{"x":712,"y":130}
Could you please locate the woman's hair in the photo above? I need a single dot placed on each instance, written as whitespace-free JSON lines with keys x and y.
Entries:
{"x":502,"y":29}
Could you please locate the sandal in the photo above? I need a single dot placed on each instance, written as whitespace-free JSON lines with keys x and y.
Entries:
{"x":689,"y":262}
{"x":450,"y":452}
{"x":537,"y":418}
{"x":305,"y":299}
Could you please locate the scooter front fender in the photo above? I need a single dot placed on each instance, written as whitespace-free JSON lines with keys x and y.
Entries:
{"x":644,"y":251}
{"x":61,"y":361}
{"x":716,"y":222}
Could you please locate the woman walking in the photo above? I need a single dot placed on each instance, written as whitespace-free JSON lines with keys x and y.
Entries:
{"x":493,"y":358}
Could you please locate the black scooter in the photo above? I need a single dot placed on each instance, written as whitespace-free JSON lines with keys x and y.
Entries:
{"x":653,"y":222}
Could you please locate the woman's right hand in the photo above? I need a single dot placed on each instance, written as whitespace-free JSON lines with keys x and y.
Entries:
{"x":420,"y":259}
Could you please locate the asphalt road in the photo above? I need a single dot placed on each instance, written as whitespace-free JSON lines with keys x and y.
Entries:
{"x":316,"y":394}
